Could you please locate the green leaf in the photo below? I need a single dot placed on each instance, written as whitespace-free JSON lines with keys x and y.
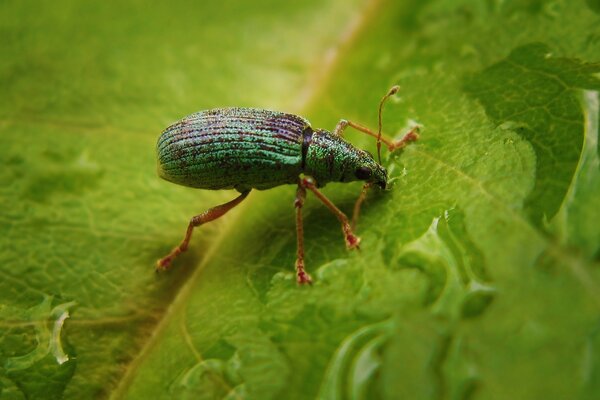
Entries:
{"x":535,"y":95}
{"x":479,"y":271}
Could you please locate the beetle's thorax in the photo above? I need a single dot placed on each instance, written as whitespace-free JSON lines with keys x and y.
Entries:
{"x":330,"y":158}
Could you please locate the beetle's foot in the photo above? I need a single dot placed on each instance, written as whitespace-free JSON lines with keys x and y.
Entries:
{"x":301,"y":276}
{"x":164,"y":263}
{"x":352,"y":241}
{"x":411,"y":136}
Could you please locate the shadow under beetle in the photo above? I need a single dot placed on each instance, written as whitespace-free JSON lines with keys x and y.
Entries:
{"x":248,"y":148}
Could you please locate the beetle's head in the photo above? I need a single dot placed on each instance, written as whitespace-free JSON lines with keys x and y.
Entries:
{"x":330,"y":158}
{"x":368,"y":170}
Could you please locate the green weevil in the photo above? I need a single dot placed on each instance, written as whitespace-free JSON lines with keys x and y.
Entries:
{"x":249,"y":148}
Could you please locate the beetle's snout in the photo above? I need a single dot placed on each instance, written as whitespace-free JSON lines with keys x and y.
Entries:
{"x":380,"y":177}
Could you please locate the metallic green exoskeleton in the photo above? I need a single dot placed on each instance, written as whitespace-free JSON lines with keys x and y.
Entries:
{"x":249,"y":148}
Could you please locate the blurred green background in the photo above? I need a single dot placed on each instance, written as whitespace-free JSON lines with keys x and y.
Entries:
{"x":478,"y":274}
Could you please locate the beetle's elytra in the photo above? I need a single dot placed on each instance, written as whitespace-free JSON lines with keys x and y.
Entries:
{"x":248,"y":148}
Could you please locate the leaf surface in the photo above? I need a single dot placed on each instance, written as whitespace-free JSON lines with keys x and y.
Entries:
{"x":478,"y":273}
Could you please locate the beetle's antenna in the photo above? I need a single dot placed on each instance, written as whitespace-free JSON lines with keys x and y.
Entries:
{"x":390,"y":93}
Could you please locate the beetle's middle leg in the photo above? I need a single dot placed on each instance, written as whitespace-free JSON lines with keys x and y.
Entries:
{"x":301,"y":276}
{"x":207,"y":216}
{"x":352,"y":241}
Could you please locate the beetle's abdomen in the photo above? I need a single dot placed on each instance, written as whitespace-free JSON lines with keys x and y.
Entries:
{"x":227,"y":148}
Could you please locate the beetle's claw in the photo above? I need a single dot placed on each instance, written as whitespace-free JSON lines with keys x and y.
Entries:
{"x":164,"y":263}
{"x":411,"y":136}
{"x":352,"y":241}
{"x":303,"y":278}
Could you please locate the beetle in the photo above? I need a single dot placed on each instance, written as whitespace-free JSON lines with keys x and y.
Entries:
{"x":249,"y":148}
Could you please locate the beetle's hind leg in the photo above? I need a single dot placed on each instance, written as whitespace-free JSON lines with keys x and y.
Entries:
{"x":207,"y":216}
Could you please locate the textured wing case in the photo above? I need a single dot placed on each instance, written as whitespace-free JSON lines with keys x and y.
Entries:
{"x":227,"y":148}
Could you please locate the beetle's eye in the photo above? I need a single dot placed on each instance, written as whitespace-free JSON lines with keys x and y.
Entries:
{"x":363,"y":173}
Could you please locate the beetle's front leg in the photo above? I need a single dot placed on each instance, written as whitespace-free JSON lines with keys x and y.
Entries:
{"x":392,"y":145}
{"x":301,"y":276}
{"x":207,"y":216}
{"x":361,"y":198}
{"x":352,"y":241}
{"x":340,"y":127}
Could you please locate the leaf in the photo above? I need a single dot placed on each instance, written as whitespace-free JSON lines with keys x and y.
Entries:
{"x":537,"y":94}
{"x":478,"y":273}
